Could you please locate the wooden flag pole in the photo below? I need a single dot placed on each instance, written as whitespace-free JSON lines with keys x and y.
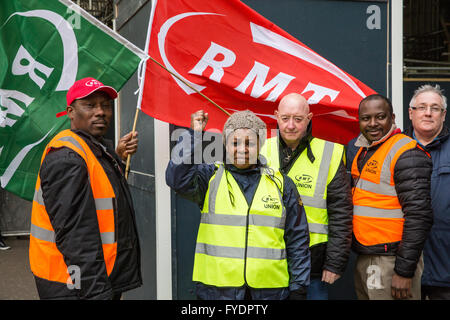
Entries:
{"x":176,"y":76}
{"x":127,"y":168}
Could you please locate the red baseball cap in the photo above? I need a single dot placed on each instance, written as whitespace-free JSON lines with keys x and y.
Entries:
{"x":84,"y":87}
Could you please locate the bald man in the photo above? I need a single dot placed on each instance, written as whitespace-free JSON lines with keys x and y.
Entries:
{"x":317,"y":169}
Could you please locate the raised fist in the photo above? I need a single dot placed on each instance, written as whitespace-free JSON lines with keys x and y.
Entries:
{"x":199,"y":120}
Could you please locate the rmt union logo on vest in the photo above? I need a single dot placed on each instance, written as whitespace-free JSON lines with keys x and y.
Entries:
{"x":303,"y":181}
{"x":270,"y":203}
{"x":372,"y":166}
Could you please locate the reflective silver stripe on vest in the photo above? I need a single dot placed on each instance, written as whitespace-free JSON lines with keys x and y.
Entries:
{"x":213,"y":189}
{"x":38,"y":196}
{"x":386,"y":168}
{"x":220,"y":251}
{"x":100,"y":204}
{"x":317,"y":201}
{"x":241,"y":221}
{"x":377,"y":212}
{"x":384,"y":187}
{"x":321,"y":183}
{"x":223,"y":219}
{"x":42,"y":234}
{"x":318,"y":228}
{"x":266,"y":253}
{"x":267,"y":221}
{"x":239,"y":253}
{"x":49,"y":235}
{"x":107,"y":237}
{"x":74,"y":142}
{"x":104,"y":204}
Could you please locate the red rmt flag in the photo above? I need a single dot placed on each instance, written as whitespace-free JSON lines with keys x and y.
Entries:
{"x":240,"y":60}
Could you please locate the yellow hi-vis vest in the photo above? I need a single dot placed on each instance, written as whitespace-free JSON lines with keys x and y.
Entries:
{"x":311,"y":180}
{"x":46,"y":261}
{"x":238,"y":244}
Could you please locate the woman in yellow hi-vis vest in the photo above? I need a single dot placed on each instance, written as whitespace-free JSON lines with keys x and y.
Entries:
{"x":252,"y":241}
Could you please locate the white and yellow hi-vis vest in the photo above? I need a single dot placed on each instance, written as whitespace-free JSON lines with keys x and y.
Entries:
{"x":242,"y":244}
{"x":311,"y":180}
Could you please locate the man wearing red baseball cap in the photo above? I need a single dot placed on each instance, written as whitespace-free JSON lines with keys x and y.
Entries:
{"x":81,"y":97}
{"x":84,"y":242}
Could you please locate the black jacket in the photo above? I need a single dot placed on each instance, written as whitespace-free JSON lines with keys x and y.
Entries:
{"x":332,"y":255}
{"x":412,"y":178}
{"x":70,"y":205}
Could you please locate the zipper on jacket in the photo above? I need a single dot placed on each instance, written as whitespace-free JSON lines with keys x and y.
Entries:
{"x":246,"y":246}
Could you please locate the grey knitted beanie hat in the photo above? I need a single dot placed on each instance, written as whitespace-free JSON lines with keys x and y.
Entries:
{"x":245,"y":119}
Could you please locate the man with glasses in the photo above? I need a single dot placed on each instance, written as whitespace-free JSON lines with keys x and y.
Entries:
{"x":427,"y":111}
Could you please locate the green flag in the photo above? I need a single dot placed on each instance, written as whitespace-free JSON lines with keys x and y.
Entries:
{"x":45,"y":46}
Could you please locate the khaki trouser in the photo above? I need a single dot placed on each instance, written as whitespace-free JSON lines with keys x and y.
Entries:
{"x":373,"y":275}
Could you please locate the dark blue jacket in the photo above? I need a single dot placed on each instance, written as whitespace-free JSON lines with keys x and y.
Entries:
{"x":191,"y":182}
{"x":436,"y":252}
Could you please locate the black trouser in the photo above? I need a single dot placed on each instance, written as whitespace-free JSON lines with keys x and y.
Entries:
{"x":435,"y":293}
{"x":117,"y":296}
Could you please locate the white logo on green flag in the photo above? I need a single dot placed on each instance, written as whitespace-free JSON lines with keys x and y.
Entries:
{"x":45,"y":46}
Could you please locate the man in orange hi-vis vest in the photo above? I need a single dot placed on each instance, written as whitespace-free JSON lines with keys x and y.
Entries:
{"x":392,"y":205}
{"x":84,"y":242}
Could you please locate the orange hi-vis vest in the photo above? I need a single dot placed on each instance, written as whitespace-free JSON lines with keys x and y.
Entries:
{"x":377,"y":214}
{"x":46,"y":260}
